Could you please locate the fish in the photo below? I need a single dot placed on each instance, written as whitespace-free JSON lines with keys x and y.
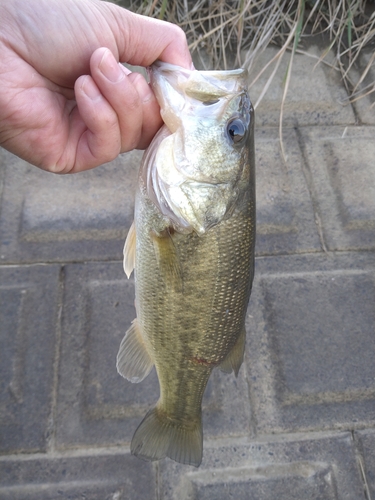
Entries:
{"x":192,"y":248}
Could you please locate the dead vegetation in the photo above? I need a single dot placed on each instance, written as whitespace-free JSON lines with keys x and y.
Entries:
{"x":218,"y":29}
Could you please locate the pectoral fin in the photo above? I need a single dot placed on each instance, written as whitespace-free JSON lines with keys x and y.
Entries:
{"x":235,"y":357}
{"x":167,"y":258}
{"x":133,"y":361}
{"x":129,"y":251}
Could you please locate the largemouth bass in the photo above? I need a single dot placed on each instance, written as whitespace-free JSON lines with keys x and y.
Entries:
{"x":192,"y":246}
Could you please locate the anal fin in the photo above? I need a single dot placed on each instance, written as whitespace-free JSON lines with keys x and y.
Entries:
{"x":133,"y":361}
{"x":234,"y":359}
{"x":129,"y":251}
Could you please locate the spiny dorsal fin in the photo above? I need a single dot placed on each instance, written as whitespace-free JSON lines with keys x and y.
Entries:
{"x":133,"y":361}
{"x":235,"y":357}
{"x":129,"y":251}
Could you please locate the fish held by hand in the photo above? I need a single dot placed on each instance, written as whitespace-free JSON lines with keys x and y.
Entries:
{"x":192,"y":247}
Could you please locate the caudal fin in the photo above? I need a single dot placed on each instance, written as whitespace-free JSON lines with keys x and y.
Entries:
{"x":158,"y":437}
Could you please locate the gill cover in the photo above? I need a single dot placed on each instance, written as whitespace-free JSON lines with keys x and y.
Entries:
{"x":192,"y":168}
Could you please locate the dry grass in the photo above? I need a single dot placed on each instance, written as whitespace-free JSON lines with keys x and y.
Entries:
{"x":245,"y":28}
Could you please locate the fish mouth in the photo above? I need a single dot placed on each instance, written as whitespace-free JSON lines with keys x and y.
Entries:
{"x":219,"y":74}
{"x":173,"y":84}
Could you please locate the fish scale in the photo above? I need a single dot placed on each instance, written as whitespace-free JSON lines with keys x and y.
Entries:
{"x":192,"y":246}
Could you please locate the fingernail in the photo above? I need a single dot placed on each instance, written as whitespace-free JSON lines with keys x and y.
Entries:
{"x":90,"y":89}
{"x":124,"y":69}
{"x":110,"y":67}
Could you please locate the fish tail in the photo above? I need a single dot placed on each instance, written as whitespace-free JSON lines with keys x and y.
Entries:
{"x":159,"y":436}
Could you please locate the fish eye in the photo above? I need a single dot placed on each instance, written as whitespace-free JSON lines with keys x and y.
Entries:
{"x":236,"y":130}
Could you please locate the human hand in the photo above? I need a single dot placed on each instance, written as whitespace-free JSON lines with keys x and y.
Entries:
{"x":66,"y":105}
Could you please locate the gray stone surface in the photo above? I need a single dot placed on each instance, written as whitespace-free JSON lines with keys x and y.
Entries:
{"x":302,"y":467}
{"x":29,"y":298}
{"x":285,"y":215}
{"x":367,"y":449}
{"x":106,"y":476}
{"x":95,"y":405}
{"x":315,"y":96}
{"x":299,"y":421}
{"x":50,"y":218}
{"x":365,"y":107}
{"x":341,"y":170}
{"x":311,"y":349}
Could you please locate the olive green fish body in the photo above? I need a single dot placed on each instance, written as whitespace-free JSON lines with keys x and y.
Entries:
{"x":192,"y":290}
{"x":192,"y":319}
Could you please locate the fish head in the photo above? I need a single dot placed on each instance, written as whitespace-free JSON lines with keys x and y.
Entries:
{"x":200,"y":161}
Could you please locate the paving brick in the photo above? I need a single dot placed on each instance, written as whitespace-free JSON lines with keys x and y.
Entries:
{"x":96,"y":406}
{"x":307,"y":103}
{"x":47,"y":217}
{"x":85,"y":216}
{"x":285,"y":217}
{"x":303,"y":467}
{"x":365,"y":107}
{"x":2,"y":175}
{"x":367,"y":448}
{"x":28,"y":313}
{"x":107,"y":476}
{"x":67,"y":417}
{"x":311,"y":348}
{"x":342,"y":176}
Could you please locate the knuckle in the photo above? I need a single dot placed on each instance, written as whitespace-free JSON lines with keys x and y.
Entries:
{"x":133,"y":101}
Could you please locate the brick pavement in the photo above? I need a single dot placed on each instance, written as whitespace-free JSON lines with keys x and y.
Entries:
{"x":299,"y":422}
